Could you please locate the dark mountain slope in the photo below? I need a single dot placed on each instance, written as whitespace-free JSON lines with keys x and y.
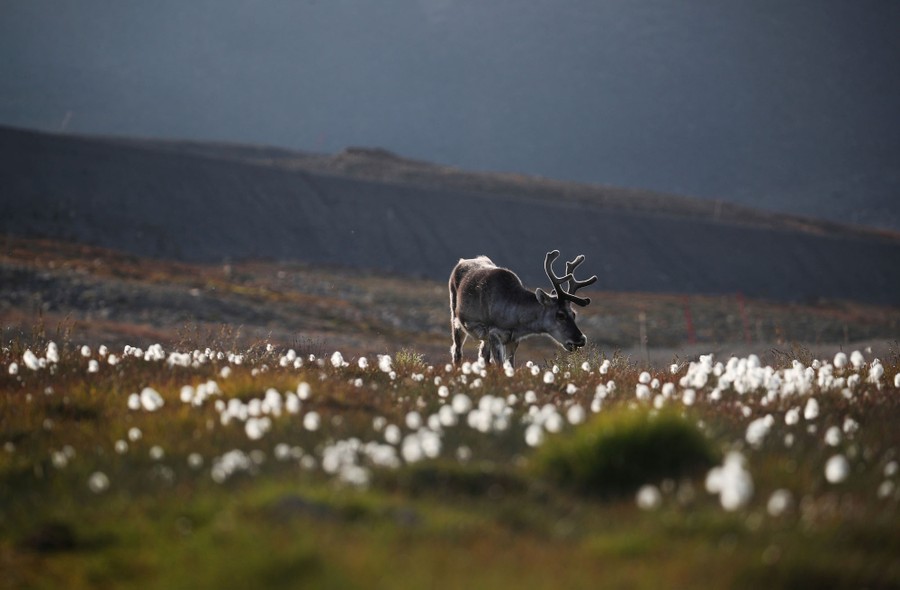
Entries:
{"x":208,"y":207}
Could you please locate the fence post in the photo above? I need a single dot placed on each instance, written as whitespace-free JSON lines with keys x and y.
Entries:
{"x":689,"y":321}
{"x":744,"y":322}
{"x":642,"y":321}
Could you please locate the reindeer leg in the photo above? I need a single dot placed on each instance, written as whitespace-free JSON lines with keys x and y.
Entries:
{"x":459,"y":337}
{"x":498,"y":350}
{"x":484,"y":351}
{"x":511,"y":352}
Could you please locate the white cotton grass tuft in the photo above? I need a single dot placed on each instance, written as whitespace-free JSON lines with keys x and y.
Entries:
{"x":417,"y":446}
{"x":534,"y":435}
{"x":885,"y":489}
{"x":151,"y":400}
{"x":31,"y":360}
{"x":876,"y":372}
{"x":292,"y":403}
{"x":575,"y":414}
{"x":811,"y":411}
{"x":779,"y":502}
{"x":461,"y":403}
{"x":392,"y":434}
{"x":833,"y":436}
{"x":98,"y":482}
{"x":411,"y":450}
{"x":311,"y":421}
{"x":553,"y":422}
{"x":59,"y":459}
{"x":447,"y":417}
{"x":837,"y":469}
{"x":230,"y":463}
{"x":648,"y":497}
{"x":642,"y":392}
{"x":758,"y":429}
{"x":792,"y":416}
{"x":256,"y":428}
{"x":413,"y":420}
{"x":731,"y":481}
{"x":52,"y":352}
{"x":186,"y":395}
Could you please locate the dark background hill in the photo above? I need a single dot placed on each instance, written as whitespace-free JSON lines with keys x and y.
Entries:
{"x":222,"y":203}
{"x":784,"y":106}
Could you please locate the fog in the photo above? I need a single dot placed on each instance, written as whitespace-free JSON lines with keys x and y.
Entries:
{"x":783,"y":105}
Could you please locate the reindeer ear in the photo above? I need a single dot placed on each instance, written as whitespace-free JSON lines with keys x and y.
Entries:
{"x":544,"y":298}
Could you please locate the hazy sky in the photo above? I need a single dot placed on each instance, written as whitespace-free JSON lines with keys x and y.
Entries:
{"x":773,"y":101}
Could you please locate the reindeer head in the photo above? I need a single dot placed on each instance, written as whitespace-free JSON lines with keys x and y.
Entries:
{"x":559,"y":317}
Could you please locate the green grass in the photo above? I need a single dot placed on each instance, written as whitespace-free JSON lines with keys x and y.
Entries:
{"x":488,"y":511}
{"x":620,"y":450}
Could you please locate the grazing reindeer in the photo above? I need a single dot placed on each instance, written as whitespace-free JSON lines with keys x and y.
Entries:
{"x":491,"y":304}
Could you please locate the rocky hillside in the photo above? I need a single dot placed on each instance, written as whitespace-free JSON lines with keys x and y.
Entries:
{"x":371,"y":210}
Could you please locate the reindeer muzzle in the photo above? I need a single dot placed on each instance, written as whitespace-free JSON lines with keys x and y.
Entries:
{"x":577,"y":343}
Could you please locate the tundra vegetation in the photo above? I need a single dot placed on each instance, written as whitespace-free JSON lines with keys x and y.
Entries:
{"x":204,"y":466}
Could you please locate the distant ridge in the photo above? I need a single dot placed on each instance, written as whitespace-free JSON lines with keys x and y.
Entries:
{"x":370,"y":209}
{"x":379,"y":164}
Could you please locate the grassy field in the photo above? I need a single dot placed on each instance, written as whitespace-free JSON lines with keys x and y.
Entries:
{"x":205,"y":466}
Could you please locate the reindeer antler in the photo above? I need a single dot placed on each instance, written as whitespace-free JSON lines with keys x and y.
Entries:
{"x":574,"y":284}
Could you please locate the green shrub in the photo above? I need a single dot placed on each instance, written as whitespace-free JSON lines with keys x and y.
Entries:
{"x":620,"y":450}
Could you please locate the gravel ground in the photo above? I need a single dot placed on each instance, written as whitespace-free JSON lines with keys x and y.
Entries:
{"x":103,"y":296}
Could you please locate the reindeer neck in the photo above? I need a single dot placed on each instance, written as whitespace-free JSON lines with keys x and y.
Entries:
{"x":530,"y":316}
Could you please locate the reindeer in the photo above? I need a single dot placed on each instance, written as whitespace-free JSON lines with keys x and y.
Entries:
{"x":490,"y":303}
